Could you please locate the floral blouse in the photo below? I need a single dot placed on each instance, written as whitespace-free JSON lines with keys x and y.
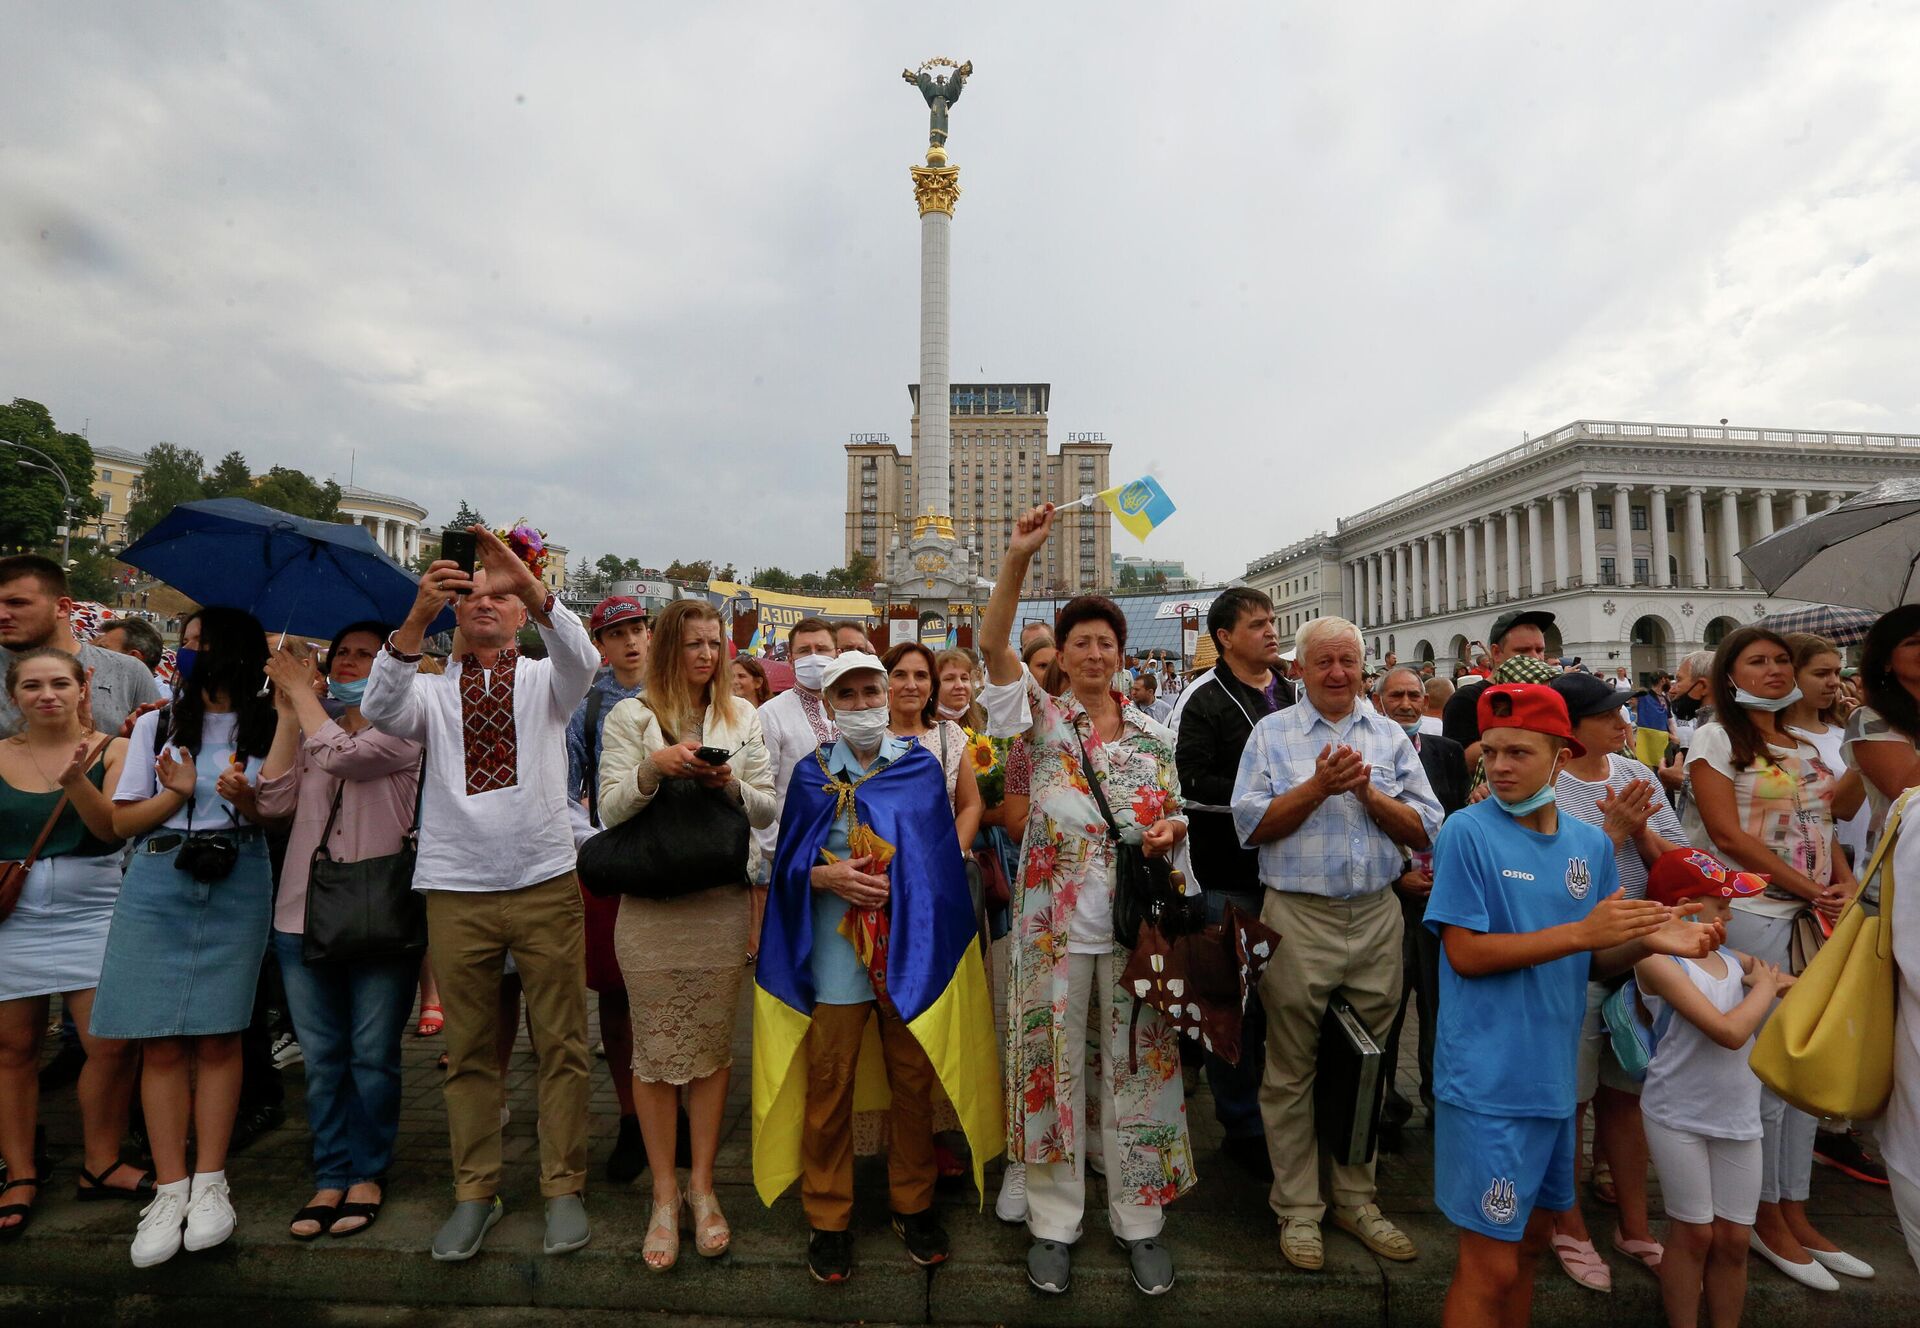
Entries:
{"x":1065,"y":883}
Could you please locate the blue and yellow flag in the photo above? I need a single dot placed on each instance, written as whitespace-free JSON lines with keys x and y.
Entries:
{"x":935,"y":974}
{"x":1139,"y":506}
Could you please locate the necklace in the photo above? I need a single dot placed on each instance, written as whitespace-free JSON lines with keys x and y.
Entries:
{"x":39,"y":769}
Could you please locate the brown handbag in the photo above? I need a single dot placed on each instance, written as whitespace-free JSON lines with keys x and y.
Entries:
{"x":1200,"y":981}
{"x":13,"y":875}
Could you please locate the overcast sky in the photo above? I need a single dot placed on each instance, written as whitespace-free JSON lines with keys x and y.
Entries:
{"x":637,"y":270}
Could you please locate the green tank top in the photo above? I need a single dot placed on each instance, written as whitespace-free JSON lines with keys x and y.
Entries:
{"x":22,"y":814}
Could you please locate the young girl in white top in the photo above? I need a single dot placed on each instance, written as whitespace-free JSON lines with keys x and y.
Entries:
{"x":1701,"y":1101}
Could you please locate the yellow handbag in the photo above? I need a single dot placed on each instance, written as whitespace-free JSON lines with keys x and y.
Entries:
{"x":1828,"y":1048}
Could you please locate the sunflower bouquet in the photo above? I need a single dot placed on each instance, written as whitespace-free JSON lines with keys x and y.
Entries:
{"x":989,"y":757}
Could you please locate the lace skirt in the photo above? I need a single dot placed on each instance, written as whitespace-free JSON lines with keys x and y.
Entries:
{"x":685,"y":961}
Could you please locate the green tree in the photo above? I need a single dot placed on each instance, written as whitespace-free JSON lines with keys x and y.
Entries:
{"x":583,"y":580}
{"x":611,"y":569}
{"x":694,"y":571}
{"x":1129,"y":577}
{"x":1158,"y":581}
{"x":296,"y":493}
{"x":91,"y":574}
{"x":231,"y":478}
{"x":174,"y":475}
{"x":465,"y":517}
{"x":773,"y":578}
{"x":31,"y":499}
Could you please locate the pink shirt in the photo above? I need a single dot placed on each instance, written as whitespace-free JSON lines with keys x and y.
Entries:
{"x":376,"y":809}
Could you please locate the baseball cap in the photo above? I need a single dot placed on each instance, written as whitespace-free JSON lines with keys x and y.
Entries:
{"x":1506,"y":622}
{"x":850,"y":661}
{"x":614,"y":609}
{"x":1585,"y":695}
{"x":1690,"y":873}
{"x":1526,"y":705}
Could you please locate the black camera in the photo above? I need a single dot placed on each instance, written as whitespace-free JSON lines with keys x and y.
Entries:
{"x":208,"y":858}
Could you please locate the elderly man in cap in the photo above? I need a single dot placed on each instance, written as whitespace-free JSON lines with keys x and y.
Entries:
{"x":1517,"y":633}
{"x":1331,"y":792}
{"x":868,"y":917}
{"x":621,"y":632}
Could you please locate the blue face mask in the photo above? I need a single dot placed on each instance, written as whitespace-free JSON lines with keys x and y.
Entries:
{"x":1411,"y":730}
{"x":1773,"y":705}
{"x":348,"y":693}
{"x":1527,"y":806}
{"x":183,"y":661}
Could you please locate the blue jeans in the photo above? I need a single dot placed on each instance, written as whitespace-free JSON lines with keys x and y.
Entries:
{"x":1236,"y":1088}
{"x":349,"y":1021}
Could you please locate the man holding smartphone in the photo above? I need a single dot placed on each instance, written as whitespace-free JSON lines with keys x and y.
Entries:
{"x":496,"y":863}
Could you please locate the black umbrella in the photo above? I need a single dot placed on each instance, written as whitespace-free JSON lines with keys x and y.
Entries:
{"x":1862,"y":553}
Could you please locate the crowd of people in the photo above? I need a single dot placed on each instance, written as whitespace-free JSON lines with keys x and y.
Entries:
{"x":1501,"y":851}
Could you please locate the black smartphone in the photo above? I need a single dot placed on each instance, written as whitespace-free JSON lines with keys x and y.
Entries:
{"x":461,"y":547}
{"x":713,"y":755}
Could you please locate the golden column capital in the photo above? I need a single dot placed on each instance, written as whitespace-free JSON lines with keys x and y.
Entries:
{"x":936,"y":188}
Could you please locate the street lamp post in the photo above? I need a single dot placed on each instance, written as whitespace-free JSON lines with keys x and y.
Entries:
{"x":66,"y":490}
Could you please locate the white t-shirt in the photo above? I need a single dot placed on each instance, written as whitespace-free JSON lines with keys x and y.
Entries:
{"x":1694,"y":1084}
{"x":1853,"y":830}
{"x":139,"y":776}
{"x":1780,"y":799}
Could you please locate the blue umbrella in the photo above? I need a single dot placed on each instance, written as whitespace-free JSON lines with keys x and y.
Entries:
{"x":294,"y":574}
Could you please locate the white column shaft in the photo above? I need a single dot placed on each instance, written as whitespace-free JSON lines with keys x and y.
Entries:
{"x":1470,"y":557}
{"x":1730,"y":535}
{"x":1589,"y":556}
{"x":1797,"y":505}
{"x":1696,"y":539}
{"x":1623,"y":534}
{"x":1657,"y":526}
{"x":1560,"y":572}
{"x":1536,"y":559}
{"x":1513,"y":552}
{"x":1452,"y":598}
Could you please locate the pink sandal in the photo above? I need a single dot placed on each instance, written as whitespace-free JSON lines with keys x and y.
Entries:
{"x":1647,"y":1253}
{"x":1583,"y":1263}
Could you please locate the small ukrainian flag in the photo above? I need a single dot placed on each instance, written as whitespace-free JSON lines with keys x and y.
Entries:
{"x":1139,"y":506}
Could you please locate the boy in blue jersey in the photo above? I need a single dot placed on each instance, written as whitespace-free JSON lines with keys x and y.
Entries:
{"x":1527,"y":904}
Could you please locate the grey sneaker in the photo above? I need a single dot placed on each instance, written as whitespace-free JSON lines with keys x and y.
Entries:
{"x":1050,"y":1266}
{"x":1151,"y":1264}
{"x":459,"y":1237}
{"x":566,"y":1224}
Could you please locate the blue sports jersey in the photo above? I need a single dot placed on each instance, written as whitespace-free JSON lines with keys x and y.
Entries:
{"x":1508,"y":1042}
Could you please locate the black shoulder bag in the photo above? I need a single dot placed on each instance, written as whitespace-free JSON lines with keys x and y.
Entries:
{"x":1145,"y":890}
{"x":366,"y":911}
{"x":689,"y":838}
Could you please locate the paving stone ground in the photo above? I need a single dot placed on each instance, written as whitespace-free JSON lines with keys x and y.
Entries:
{"x":72,"y":1268}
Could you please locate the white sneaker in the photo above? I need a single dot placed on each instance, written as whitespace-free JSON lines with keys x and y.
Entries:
{"x":209,"y":1217}
{"x":158,"y":1238}
{"x":1011,"y":1206}
{"x":286,"y":1051}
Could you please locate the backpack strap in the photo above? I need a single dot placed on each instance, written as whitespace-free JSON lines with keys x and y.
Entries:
{"x":596,"y":701}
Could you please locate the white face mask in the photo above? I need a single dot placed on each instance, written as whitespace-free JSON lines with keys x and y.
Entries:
{"x":863,"y":729}
{"x":946,"y":712}
{"x":811,"y":670}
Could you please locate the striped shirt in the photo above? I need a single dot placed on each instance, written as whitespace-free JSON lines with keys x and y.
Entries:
{"x":1338,"y":851}
{"x":1580,"y":799}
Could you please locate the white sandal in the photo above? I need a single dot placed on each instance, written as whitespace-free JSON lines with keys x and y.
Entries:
{"x":663,"y":1235}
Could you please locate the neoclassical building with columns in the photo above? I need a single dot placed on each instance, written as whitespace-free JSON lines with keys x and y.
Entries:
{"x":394,"y":522}
{"x":1627,"y":532}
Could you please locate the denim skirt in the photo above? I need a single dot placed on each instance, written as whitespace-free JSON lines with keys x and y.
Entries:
{"x":183,"y":956}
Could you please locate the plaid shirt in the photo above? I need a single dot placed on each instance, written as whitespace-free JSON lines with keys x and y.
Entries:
{"x":1337,"y":851}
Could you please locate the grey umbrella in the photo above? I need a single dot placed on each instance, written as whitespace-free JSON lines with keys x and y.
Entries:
{"x":1861,"y":553}
{"x":1838,"y":625}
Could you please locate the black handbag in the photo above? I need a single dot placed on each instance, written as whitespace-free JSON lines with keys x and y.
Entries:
{"x":1145,"y":890}
{"x":688,"y":839}
{"x":365,"y":911}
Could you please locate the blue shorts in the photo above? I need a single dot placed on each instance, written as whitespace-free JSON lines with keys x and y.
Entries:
{"x":1491,"y":1172}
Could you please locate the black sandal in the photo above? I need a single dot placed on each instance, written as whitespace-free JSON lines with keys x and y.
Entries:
{"x":23,"y":1211}
{"x":324,"y":1214}
{"x":94,"y":1189}
{"x":370,"y":1211}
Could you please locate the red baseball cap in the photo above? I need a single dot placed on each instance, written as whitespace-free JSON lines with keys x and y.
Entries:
{"x":1689,"y":873}
{"x":1527,"y":705}
{"x":614,"y":609}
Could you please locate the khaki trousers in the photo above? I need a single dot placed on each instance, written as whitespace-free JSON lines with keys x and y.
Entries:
{"x":826,"y":1150}
{"x":1328,"y":947}
{"x":469,"y":935}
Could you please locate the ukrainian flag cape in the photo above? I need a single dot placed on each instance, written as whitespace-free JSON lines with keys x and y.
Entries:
{"x":935,"y":973}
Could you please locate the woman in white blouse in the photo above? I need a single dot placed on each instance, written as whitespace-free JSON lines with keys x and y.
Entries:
{"x":685,"y":958}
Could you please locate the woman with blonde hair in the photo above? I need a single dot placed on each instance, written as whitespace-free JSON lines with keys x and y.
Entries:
{"x":684,"y":958}
{"x":913,"y":699}
{"x":958,"y":680}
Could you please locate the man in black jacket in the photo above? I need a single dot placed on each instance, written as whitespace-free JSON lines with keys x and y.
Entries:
{"x":1401,"y":697}
{"x":1216,"y":717}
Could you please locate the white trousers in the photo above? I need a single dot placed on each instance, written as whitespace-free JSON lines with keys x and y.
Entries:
{"x":1057,"y":1194}
{"x":1702,"y":1178}
{"x":1786,"y":1159}
{"x":1906,"y":1202}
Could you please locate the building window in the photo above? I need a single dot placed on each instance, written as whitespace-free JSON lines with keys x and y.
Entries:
{"x":1605,"y":516}
{"x":1608,"y":575}
{"x":106,"y":502}
{"x":1670,"y":525}
{"x":1641,"y":571}
{"x":106,"y":477}
{"x":1639,"y":517}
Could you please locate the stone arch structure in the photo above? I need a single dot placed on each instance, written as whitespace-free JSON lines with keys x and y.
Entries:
{"x":1716,"y":630}
{"x":1422,"y":653}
